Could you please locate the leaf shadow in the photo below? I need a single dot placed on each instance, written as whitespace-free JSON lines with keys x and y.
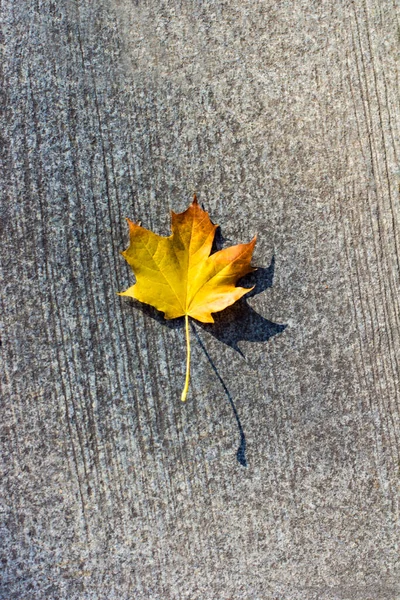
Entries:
{"x":240,"y":322}
{"x":235,"y":324}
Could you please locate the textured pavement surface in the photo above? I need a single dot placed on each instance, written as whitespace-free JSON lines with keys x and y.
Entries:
{"x":279,"y":478}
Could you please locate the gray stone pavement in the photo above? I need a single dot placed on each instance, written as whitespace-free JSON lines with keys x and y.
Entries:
{"x":279,"y":478}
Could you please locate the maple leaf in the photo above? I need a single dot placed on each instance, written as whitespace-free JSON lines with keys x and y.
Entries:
{"x":178,"y":275}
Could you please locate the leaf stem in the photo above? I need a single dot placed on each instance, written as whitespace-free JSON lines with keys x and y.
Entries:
{"x":185,"y":389}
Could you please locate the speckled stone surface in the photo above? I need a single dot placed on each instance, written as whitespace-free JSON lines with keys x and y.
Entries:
{"x":279,"y":478}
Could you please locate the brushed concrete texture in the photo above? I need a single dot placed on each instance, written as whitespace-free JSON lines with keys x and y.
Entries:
{"x":284,"y":117}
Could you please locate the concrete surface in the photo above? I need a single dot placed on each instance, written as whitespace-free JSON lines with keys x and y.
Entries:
{"x":284,"y":117}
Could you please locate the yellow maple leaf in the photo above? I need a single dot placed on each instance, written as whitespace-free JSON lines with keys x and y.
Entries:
{"x":178,"y":275}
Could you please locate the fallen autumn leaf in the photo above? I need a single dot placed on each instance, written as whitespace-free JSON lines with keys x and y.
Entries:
{"x":178,"y":275}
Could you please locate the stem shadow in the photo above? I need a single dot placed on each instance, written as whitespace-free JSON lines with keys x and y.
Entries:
{"x":241,"y":452}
